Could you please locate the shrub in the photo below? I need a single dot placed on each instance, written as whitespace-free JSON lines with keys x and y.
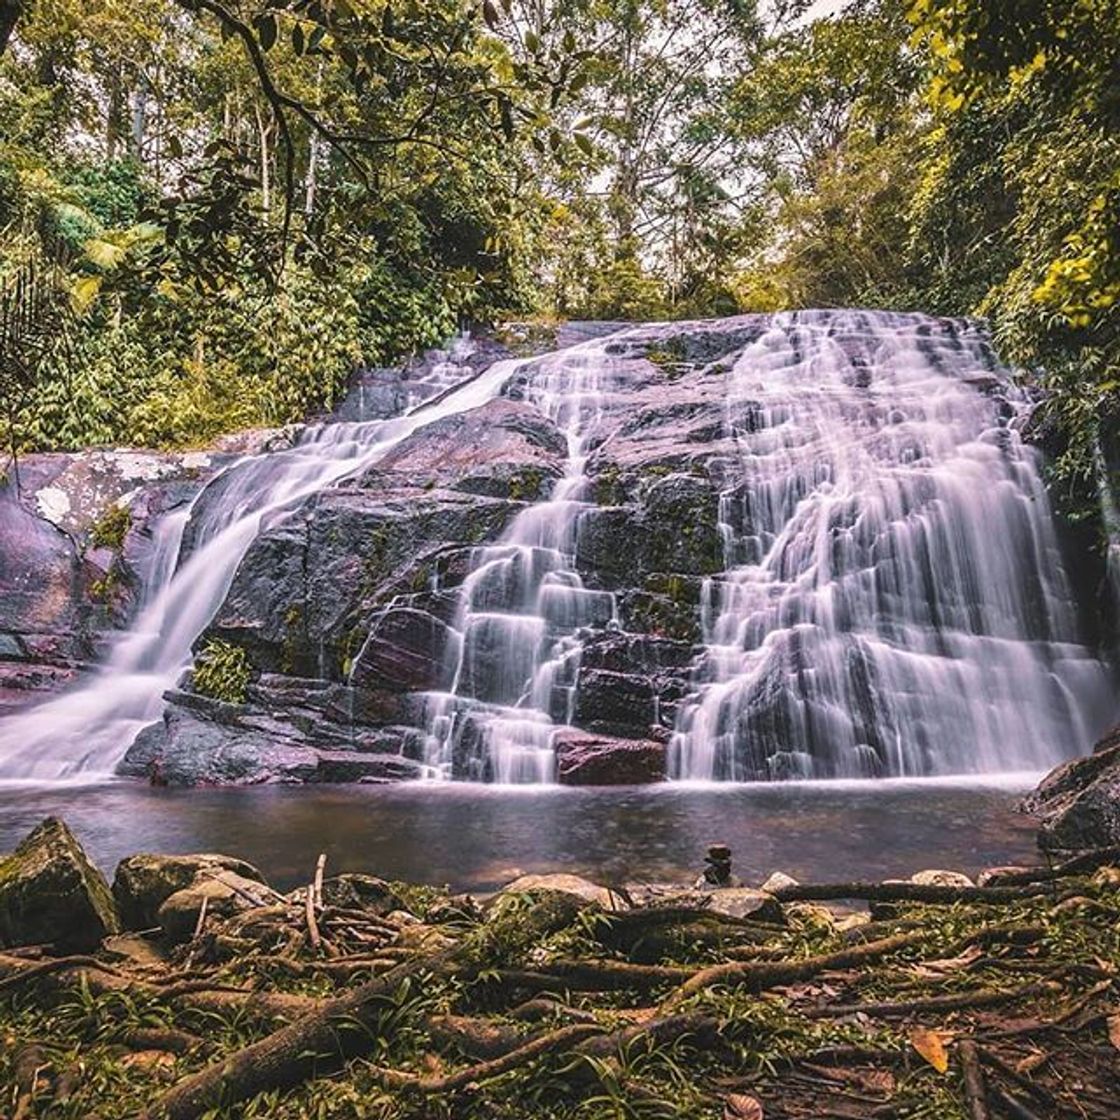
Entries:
{"x":222,"y":672}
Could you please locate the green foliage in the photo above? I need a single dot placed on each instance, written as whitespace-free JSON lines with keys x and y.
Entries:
{"x":222,"y":671}
{"x":109,"y":530}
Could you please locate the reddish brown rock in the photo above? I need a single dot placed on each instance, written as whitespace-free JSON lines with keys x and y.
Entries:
{"x":598,"y":760}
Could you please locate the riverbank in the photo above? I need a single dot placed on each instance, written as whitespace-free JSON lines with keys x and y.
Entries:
{"x":353,"y":996}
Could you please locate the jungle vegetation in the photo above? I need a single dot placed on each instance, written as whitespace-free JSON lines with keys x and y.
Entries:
{"x":213,"y":211}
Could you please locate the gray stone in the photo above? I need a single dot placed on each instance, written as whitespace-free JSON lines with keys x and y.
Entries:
{"x":224,"y":892}
{"x":145,"y":881}
{"x":1077,"y":805}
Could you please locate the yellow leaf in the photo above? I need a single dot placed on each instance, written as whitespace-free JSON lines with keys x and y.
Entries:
{"x":931,"y":1046}
{"x":85,"y":291}
{"x":738,"y":1106}
{"x":1114,"y":1030}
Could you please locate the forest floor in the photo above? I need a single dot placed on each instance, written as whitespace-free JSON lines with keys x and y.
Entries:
{"x":936,"y":1001}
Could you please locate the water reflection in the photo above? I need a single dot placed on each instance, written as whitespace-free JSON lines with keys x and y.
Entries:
{"x":478,"y":837}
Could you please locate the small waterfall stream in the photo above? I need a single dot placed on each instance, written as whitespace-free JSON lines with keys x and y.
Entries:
{"x":86,"y":731}
{"x":517,"y":656}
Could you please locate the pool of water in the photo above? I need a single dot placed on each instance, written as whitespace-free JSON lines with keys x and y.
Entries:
{"x":479,"y":837}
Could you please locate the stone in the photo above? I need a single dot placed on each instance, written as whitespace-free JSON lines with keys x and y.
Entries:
{"x":588,"y":893}
{"x":1077,"y":805}
{"x":361,"y":892}
{"x":618,"y":704}
{"x":51,"y":893}
{"x":599,"y":760}
{"x":743,"y":902}
{"x":225,"y":893}
{"x":405,"y":650}
{"x":935,"y":878}
{"x":145,"y":881}
{"x":777,"y":881}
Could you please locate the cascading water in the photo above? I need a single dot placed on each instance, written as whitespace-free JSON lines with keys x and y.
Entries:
{"x":893,"y":600}
{"x":516,"y":659}
{"x":86,"y":731}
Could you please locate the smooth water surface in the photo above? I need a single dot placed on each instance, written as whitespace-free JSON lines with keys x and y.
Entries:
{"x":480,"y":837}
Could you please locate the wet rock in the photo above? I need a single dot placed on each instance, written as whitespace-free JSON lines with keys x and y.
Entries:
{"x":226,"y":746}
{"x":312,"y":586}
{"x":617,"y":704}
{"x":51,"y":893}
{"x":503,"y":449}
{"x":599,"y":760}
{"x":1077,"y":805}
{"x":224,"y":892}
{"x":145,"y":881}
{"x":405,"y":650}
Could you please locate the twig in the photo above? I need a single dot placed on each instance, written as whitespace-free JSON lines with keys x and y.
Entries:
{"x":974,"y":1090}
{"x":317,"y":889}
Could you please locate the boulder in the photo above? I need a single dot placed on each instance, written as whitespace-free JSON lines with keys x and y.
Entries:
{"x":361,"y":892}
{"x":599,"y":760}
{"x":50,"y":892}
{"x":583,"y":890}
{"x":224,"y":892}
{"x":778,"y":880}
{"x":144,"y":882}
{"x":1077,"y":805}
{"x":743,"y":902}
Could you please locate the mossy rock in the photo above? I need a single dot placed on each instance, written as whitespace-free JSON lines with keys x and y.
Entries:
{"x":144,"y":882}
{"x":51,"y":893}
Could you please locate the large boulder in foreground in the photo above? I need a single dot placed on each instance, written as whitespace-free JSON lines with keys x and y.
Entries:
{"x":601,"y":760}
{"x":51,"y":893}
{"x":1077,"y":804}
{"x":144,"y":882}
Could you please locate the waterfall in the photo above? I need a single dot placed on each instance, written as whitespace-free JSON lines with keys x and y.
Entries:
{"x":521,"y":608}
{"x":85,"y":732}
{"x":893,"y":600}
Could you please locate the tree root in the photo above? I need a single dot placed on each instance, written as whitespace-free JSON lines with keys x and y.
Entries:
{"x":955,"y":1002}
{"x":758,"y":976}
{"x":909,"y":892}
{"x":561,"y":1039}
{"x":332,"y":1030}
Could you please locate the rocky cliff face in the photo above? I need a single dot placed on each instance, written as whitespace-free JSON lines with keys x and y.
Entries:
{"x":75,"y":538}
{"x":345,"y":606}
